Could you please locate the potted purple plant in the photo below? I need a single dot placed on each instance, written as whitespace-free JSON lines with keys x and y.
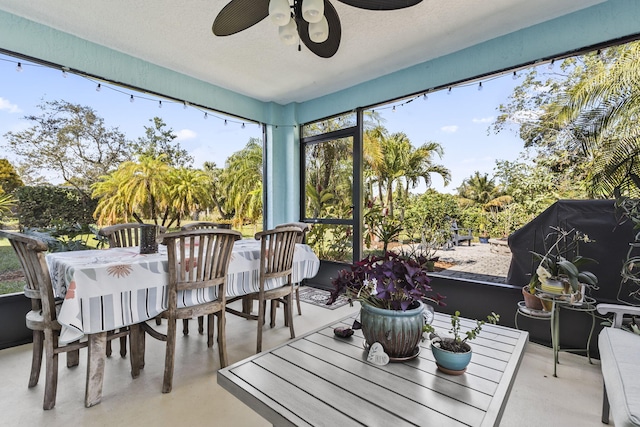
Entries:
{"x":391,"y":290}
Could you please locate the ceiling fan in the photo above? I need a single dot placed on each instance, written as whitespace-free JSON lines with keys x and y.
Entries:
{"x":315,"y":22}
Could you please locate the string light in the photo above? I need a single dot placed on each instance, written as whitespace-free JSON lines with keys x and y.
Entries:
{"x":425,"y":97}
{"x":551,"y":64}
{"x":98,"y":88}
{"x":449,"y":91}
{"x":515,"y":75}
{"x":394,"y":109}
{"x":480,"y":86}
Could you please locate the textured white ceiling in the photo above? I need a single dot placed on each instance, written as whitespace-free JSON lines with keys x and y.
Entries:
{"x":177,"y":35}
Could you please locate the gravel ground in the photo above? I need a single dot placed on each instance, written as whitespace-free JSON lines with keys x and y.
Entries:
{"x":476,"y":262}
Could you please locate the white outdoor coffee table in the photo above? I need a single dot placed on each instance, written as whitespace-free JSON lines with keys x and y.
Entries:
{"x":321,"y":380}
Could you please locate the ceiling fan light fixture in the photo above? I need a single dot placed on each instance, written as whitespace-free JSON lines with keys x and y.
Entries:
{"x":289,"y":33}
{"x":280,"y":12}
{"x":312,"y":10}
{"x":319,"y":32}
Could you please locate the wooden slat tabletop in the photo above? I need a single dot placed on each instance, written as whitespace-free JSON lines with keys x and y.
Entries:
{"x":321,"y":380}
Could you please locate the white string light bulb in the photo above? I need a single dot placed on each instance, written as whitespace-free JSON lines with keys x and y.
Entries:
{"x":131,"y":99}
{"x":99,"y":87}
{"x":480,"y":86}
{"x":19,"y":67}
{"x":243,"y":126}
{"x":515,"y":76}
{"x":159,"y":104}
{"x":206,"y":116}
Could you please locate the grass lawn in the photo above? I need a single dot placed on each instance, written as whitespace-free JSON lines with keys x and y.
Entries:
{"x":9,"y":263}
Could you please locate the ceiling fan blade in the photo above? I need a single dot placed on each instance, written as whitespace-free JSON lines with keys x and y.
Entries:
{"x":329,"y":47}
{"x":239,"y":15}
{"x":381,"y":4}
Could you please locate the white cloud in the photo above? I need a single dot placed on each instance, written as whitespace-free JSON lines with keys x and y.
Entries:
{"x":5,"y":104}
{"x":184,"y":134}
{"x":449,"y":129}
{"x":483,"y":120}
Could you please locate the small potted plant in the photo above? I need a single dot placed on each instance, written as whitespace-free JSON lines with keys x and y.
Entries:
{"x":559,"y":268}
{"x":453,"y":354}
{"x":391,"y":290}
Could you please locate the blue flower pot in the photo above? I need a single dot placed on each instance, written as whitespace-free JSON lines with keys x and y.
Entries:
{"x":399,"y":332}
{"x":450,"y":362}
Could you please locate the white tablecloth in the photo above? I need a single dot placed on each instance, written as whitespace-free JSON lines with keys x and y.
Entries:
{"x":111,"y":288}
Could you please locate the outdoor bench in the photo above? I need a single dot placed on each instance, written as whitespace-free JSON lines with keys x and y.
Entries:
{"x":457,"y":238}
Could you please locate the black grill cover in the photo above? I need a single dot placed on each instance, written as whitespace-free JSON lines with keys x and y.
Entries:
{"x":596,"y":218}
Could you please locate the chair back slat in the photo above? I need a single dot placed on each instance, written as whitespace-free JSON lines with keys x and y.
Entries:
{"x":124,"y":235}
{"x":304,"y":227}
{"x":198,"y":259}
{"x":205,"y":225}
{"x":31,"y":254}
{"x":276,"y":252}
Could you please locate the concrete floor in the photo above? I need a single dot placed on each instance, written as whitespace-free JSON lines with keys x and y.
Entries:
{"x":537,"y":398}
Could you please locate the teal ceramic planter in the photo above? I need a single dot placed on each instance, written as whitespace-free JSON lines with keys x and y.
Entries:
{"x":399,"y":332}
{"x":450,"y":362}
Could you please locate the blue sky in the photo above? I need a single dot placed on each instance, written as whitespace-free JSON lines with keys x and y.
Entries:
{"x":458,"y":121}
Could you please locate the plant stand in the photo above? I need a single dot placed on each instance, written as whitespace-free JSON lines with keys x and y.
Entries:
{"x":558,"y":302}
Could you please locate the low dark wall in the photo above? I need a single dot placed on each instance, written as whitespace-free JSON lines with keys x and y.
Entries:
{"x":478,"y":299}
{"x":13,"y":330}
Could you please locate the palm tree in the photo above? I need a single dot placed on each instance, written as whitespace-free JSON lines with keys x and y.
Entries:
{"x":189,"y":189}
{"x":399,"y":162}
{"x":479,"y":188}
{"x":140,"y":187}
{"x":242,"y":182}
{"x":600,"y":113}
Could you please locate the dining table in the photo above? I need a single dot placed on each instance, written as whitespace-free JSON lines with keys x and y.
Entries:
{"x":107,"y":289}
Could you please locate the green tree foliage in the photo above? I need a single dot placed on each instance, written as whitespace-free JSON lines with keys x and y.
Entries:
{"x":190,"y":190}
{"x":217,"y":196}
{"x":158,"y":142}
{"x":479,"y":188}
{"x":430,"y":212}
{"x":600,"y":112}
{"x":581,"y":119}
{"x":135,"y":187}
{"x":394,"y":165}
{"x":69,"y":141}
{"x":48,"y":206}
{"x":9,"y":179}
{"x":241,"y":182}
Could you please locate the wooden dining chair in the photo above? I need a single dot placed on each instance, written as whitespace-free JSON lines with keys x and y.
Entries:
{"x":201,"y":225}
{"x":198,"y":263}
{"x":302,"y":239}
{"x":123,"y":236}
{"x":276,"y":264}
{"x":42,"y":317}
